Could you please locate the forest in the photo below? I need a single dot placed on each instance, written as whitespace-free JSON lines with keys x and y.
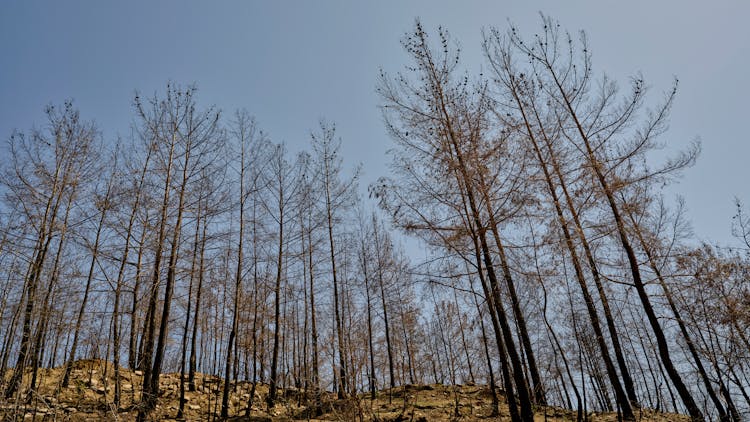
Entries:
{"x":556,"y":270}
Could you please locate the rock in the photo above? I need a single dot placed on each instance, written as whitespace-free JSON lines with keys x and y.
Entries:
{"x":138,"y":373}
{"x":194,"y":407}
{"x":71,"y":409}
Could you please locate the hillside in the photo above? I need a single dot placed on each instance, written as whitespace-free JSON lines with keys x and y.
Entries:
{"x":90,"y":394}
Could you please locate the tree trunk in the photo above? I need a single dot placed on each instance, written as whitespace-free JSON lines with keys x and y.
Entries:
{"x":89,"y":279}
{"x":661,"y":341}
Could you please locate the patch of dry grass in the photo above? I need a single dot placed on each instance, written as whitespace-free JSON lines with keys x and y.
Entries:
{"x":90,"y":397}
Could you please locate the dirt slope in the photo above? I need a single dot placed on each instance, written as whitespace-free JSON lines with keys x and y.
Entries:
{"x":90,"y":398}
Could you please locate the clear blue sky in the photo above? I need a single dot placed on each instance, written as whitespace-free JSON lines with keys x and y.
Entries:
{"x":291,"y":63}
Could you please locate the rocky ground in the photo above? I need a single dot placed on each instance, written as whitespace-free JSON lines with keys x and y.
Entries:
{"x":90,"y":398}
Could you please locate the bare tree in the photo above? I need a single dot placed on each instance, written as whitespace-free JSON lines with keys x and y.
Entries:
{"x":247,"y":135}
{"x":338,"y":195}
{"x":596,"y":136}
{"x":187,"y":137}
{"x":281,"y":183}
{"x":522,"y":97}
{"x":45,"y":168}
{"x":438,"y":120}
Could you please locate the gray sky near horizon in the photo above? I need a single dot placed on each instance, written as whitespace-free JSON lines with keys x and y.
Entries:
{"x":290,"y":63}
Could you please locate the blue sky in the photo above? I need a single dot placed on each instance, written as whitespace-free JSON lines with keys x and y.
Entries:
{"x":292,"y":62}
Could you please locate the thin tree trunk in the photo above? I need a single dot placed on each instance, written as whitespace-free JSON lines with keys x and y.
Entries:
{"x":625,"y":397}
{"x":485,"y":341}
{"x":87,"y":288}
{"x":183,"y":351}
{"x":337,"y":316}
{"x":313,"y":325}
{"x":683,"y":329}
{"x":495,"y":315}
{"x":379,"y":260}
{"x":135,"y":347}
{"x":271,"y":398}
{"x":527,"y":413}
{"x":192,"y":362}
{"x":169,"y":286}
{"x":661,"y":341}
{"x":31,"y":283}
{"x":120,"y":279}
{"x":53,"y":281}
{"x":371,"y":349}
{"x":237,"y":286}
{"x":256,"y":301}
{"x":463,"y":338}
{"x":148,"y":395}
